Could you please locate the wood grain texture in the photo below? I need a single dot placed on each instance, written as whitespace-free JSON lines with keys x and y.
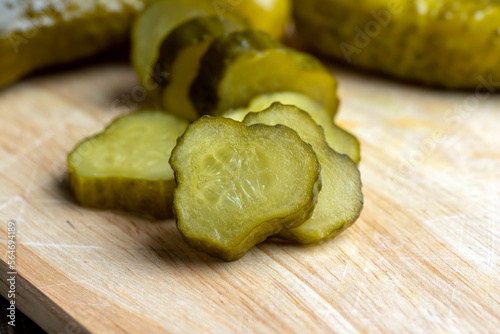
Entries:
{"x":423,"y":257}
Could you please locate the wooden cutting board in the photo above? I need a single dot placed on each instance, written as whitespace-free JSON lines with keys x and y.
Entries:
{"x":423,"y":257}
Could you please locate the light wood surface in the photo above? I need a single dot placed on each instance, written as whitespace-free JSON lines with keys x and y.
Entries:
{"x":423,"y":257}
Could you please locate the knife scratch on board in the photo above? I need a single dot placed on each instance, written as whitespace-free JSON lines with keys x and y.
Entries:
{"x":71,"y":282}
{"x":41,"y":244}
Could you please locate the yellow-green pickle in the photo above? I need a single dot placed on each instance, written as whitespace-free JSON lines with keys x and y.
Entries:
{"x":179,"y":60}
{"x":154,"y":24}
{"x":340,"y":200}
{"x":447,"y":43}
{"x":126,"y":166}
{"x":245,"y":64}
{"x":271,"y":16}
{"x":37,"y":34}
{"x":239,"y":184}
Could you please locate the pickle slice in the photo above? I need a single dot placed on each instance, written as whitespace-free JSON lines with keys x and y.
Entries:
{"x":341,"y":200}
{"x":338,"y":139}
{"x":153,"y":24}
{"x":238,"y":184}
{"x":246,"y":64}
{"x":126,"y":166}
{"x":179,"y":60}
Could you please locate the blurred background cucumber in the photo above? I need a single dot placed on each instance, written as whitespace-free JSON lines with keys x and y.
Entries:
{"x":41,"y":33}
{"x":447,"y":43}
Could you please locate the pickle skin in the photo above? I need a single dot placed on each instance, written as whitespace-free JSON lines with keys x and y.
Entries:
{"x":341,"y":199}
{"x":415,"y":40}
{"x":219,"y":85}
{"x":45,"y":33}
{"x":272,"y":16}
{"x":151,"y":197}
{"x":207,"y":228}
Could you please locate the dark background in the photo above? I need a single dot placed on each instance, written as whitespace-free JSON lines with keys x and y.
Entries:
{"x":23,"y":323}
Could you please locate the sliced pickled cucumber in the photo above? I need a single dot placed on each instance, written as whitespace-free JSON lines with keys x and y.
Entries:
{"x":271,"y":16}
{"x":246,"y":64}
{"x":126,"y":167}
{"x":338,"y":139}
{"x":37,"y":34}
{"x":152,"y":26}
{"x":453,"y":44}
{"x":340,"y":201}
{"x":179,"y":60}
{"x":238,"y":184}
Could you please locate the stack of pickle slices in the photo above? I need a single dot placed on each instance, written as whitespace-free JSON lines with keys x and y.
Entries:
{"x":244,"y":146}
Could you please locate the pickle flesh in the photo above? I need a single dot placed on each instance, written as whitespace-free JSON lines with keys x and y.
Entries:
{"x":341,"y":200}
{"x":338,"y":139}
{"x":126,"y":166}
{"x":246,"y":64}
{"x":238,"y":184}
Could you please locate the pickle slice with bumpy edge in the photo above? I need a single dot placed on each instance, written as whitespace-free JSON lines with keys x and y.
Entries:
{"x":338,"y":139}
{"x":238,"y":184}
{"x":42,"y":33}
{"x":340,"y":201}
{"x":179,"y":60}
{"x":246,"y":64}
{"x":126,"y":166}
{"x":151,"y":27}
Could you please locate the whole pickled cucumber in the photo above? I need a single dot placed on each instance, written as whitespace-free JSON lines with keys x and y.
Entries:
{"x":238,"y":184}
{"x":338,"y":139}
{"x":246,"y":64}
{"x":179,"y":60}
{"x":450,"y":43}
{"x":126,"y":166}
{"x":340,"y":201}
{"x":37,"y":34}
